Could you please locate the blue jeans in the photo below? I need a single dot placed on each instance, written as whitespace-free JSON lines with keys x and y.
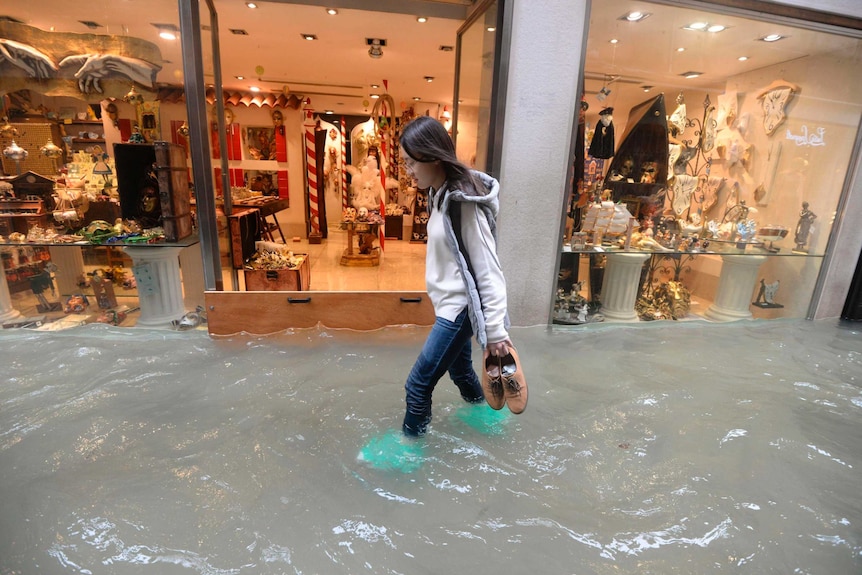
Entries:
{"x":447,"y":348}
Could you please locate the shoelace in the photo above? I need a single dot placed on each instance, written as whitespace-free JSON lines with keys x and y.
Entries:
{"x":513,"y":385}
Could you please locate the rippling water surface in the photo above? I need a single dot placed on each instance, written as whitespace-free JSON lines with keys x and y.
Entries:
{"x":663,"y":449}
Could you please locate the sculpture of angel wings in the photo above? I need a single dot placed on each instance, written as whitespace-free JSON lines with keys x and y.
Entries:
{"x":95,"y":67}
{"x":37,"y":64}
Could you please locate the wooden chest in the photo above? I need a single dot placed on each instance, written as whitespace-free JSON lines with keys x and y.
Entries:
{"x":175,"y":198}
{"x":152,"y":180}
{"x":297,"y":279}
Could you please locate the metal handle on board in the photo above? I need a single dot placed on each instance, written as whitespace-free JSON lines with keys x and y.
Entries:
{"x":299,"y":300}
{"x":411,"y":300}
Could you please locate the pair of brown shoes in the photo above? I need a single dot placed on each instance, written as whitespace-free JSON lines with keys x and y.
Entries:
{"x":503,"y":381}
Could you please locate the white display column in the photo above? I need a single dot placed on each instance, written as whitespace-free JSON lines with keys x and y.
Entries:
{"x":160,"y":291}
{"x":735,"y":287}
{"x":620,"y":285}
{"x":7,"y":312}
{"x":192,"y":270}
{"x":70,"y":266}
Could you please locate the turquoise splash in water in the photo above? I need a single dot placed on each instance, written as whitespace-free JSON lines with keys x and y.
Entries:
{"x":392,"y":451}
{"x":483,"y":419}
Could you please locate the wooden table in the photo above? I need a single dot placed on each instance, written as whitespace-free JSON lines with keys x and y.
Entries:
{"x":356,"y":257}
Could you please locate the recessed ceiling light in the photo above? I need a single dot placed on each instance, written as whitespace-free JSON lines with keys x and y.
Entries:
{"x":614,"y":41}
{"x":696,"y":26}
{"x":635,"y":16}
{"x":646,"y":88}
{"x":251,"y":5}
{"x":742,"y":58}
{"x":166,"y":35}
{"x":375,"y":96}
{"x":254,"y":88}
{"x":490,"y":29}
{"x":309,"y":36}
{"x":421,"y":19}
{"x":716,"y":28}
{"x":238,"y":32}
{"x":375,"y":86}
{"x":691,"y":74}
{"x":772,"y":38}
{"x":445,"y":48}
{"x":328,"y":112}
{"x":416,"y":98}
{"x":240,"y":77}
{"x":331,"y":11}
{"x":429,"y":78}
{"x":680,"y":49}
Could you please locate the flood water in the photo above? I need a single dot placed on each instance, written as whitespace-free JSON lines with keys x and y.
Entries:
{"x":662,"y":449}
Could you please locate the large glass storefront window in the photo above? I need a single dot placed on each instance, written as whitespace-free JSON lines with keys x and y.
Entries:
{"x":714,"y":152}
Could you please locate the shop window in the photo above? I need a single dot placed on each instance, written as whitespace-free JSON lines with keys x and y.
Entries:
{"x":710,"y":166}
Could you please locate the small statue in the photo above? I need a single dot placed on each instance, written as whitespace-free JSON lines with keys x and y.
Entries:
{"x":803,"y":228}
{"x":766,"y":295}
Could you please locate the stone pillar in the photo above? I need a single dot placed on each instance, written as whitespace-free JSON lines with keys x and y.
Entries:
{"x":735,"y":286}
{"x":7,"y":312}
{"x":620,"y":285}
{"x":70,"y":266}
{"x":160,"y":291}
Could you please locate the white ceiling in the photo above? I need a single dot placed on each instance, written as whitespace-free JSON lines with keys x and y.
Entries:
{"x":336,"y":72}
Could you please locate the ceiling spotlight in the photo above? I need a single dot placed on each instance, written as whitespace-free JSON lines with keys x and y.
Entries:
{"x":614,"y":41}
{"x":716,"y":28}
{"x":421,"y":19}
{"x":772,"y":38}
{"x":375,"y":47}
{"x":328,"y":112}
{"x":429,"y":78}
{"x":635,"y":16}
{"x":375,"y":96}
{"x":490,"y":29}
{"x":742,"y":58}
{"x":254,"y":88}
{"x":375,"y":86}
{"x":696,"y":26}
{"x":240,"y":77}
{"x":309,"y":36}
{"x":331,"y":11}
{"x":416,"y":98}
{"x":691,"y":74}
{"x":167,"y":35}
{"x":251,"y":5}
{"x":680,"y":49}
{"x":646,"y":88}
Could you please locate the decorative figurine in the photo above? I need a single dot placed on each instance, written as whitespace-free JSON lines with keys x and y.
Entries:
{"x":803,"y":228}
{"x":766,"y":295}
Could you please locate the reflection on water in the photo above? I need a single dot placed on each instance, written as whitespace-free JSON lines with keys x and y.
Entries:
{"x":667,"y":449}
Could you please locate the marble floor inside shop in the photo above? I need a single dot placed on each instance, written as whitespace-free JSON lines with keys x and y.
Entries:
{"x":401,"y":268}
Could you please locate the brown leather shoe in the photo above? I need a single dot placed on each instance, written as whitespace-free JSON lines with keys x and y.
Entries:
{"x":514,"y":382}
{"x":492,"y":382}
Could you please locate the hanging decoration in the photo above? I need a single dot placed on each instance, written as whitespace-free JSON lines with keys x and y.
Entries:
{"x":773,"y":101}
{"x":602,"y":145}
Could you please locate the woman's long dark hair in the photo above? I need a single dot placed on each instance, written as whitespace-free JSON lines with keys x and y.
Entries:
{"x":426,"y":140}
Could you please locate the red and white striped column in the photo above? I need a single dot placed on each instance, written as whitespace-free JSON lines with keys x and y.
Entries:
{"x":344,"y":202}
{"x":311,"y":174}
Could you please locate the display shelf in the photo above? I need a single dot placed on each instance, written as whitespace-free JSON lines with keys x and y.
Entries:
{"x":729,"y":249}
